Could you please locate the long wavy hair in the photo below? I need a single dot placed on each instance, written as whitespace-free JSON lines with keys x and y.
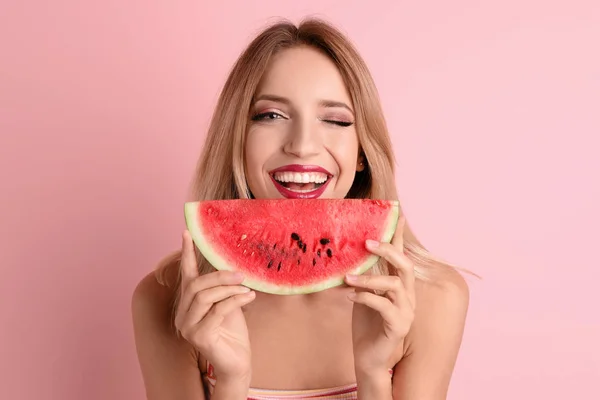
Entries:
{"x":220,"y":172}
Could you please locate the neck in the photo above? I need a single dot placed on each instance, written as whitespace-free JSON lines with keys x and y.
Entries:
{"x":283,"y":303}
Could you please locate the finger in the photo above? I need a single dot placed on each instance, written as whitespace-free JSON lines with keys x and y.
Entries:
{"x":204,"y":301}
{"x":378,"y":303}
{"x":375,"y":282}
{"x":398,"y":259}
{"x":392,"y":286}
{"x":189,"y":264}
{"x":204,"y":282}
{"x":219,"y":311}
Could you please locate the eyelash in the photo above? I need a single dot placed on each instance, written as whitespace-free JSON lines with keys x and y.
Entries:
{"x":262,"y":116}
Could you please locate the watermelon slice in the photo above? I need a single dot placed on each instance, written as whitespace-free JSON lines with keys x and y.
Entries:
{"x":291,"y":246}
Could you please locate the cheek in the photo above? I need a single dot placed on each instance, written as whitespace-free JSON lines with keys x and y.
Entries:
{"x":344,"y":148}
{"x":251,"y":159}
{"x":254,"y":153}
{"x":253,"y":169}
{"x":258,"y":150}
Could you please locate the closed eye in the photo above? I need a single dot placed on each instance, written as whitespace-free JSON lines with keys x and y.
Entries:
{"x":339,"y":123}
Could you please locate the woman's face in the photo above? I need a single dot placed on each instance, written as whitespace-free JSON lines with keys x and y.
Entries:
{"x":301,"y":141}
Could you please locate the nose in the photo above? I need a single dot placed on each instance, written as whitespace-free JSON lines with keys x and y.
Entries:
{"x":303,"y":140}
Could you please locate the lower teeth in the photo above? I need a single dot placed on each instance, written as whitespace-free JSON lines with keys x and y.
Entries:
{"x":316,"y":186}
{"x":302,"y":190}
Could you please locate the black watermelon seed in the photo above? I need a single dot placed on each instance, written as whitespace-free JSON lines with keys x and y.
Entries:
{"x":295,"y":236}
{"x":314,"y":262}
{"x":319,"y":253}
{"x":324,"y":241}
{"x":279,"y":266}
{"x":304,"y":247}
{"x":298,"y":261}
{"x":270,"y":264}
{"x":275,"y":245}
{"x":329,"y":253}
{"x":300,"y":244}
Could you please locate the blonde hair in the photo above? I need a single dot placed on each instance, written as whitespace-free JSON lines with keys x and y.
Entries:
{"x":220,"y":171}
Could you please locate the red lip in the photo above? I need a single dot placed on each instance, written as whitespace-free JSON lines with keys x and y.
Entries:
{"x":301,"y":168}
{"x":285,"y":192}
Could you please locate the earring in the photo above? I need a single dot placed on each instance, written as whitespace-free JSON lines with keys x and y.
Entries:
{"x":360,"y":163}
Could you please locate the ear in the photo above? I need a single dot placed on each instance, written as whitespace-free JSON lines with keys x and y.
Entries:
{"x":361,"y":162}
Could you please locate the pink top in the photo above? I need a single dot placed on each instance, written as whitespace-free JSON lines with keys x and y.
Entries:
{"x":347,"y":392}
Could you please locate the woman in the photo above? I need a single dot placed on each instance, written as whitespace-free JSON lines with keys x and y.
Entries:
{"x":300,"y":96}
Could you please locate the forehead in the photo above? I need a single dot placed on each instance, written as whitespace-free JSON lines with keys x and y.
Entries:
{"x":303,"y":73}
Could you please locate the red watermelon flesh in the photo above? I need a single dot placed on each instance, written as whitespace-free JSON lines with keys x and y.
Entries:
{"x":291,"y":246}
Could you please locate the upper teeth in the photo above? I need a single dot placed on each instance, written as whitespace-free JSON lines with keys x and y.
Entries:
{"x":300,"y":177}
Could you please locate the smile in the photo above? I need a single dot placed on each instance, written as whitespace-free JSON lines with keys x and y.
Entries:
{"x":300,"y":181}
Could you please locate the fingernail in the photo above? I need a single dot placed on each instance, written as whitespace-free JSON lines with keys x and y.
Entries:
{"x":244,"y":289}
{"x":352,"y":295}
{"x":351,"y":278}
{"x":372,"y":243}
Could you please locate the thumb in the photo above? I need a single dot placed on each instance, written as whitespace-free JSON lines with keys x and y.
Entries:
{"x":189,"y":265}
{"x":398,"y":238}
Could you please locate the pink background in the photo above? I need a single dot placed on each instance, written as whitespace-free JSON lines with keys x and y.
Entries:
{"x":495,"y":112}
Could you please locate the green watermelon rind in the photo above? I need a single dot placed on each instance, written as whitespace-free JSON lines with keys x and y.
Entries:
{"x":219,"y":263}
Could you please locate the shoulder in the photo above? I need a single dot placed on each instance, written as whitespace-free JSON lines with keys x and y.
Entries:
{"x":447,"y":292}
{"x":154,"y":295}
{"x":152,"y":313}
{"x":441,"y":309}
{"x":150,"y":299}
{"x":433,"y":343}
{"x":153,"y":306}
{"x":168,"y":363}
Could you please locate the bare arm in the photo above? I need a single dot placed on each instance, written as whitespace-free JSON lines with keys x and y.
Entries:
{"x":168,"y":364}
{"x":434,"y":341}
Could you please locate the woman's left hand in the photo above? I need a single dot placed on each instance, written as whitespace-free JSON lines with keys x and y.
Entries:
{"x":380,"y":322}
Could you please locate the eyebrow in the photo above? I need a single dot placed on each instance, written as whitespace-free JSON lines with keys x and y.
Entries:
{"x":322,"y":103}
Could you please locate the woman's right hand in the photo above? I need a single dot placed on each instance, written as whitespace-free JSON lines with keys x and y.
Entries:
{"x":209,"y":315}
